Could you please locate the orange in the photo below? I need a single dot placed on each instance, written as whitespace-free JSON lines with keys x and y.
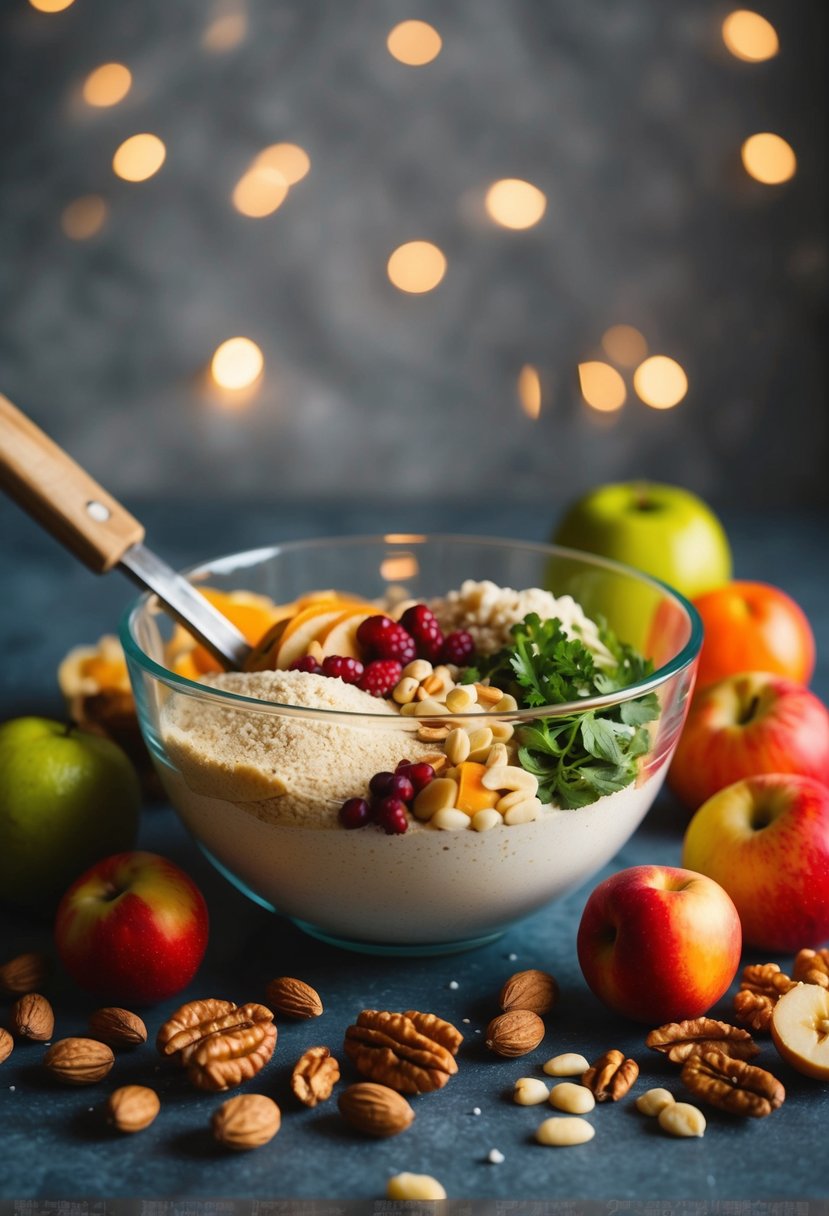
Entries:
{"x":753,"y":627}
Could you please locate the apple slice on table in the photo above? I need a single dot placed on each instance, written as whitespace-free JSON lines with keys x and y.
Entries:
{"x":340,"y":635}
{"x":800,"y":1029}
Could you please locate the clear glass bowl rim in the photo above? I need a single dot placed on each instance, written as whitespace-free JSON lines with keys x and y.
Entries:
{"x":181,"y":684}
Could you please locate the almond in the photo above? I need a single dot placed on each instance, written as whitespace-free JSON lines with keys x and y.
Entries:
{"x":32,"y":1017}
{"x":78,"y":1061}
{"x":514,"y":1033}
{"x":132,"y":1108}
{"x":246,"y":1121}
{"x":6,"y":1044}
{"x":25,"y":973}
{"x":294,"y":998}
{"x":375,"y":1109}
{"x":533,"y":990}
{"x":118,"y":1027}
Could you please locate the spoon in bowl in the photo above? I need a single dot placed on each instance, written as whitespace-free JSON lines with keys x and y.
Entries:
{"x":91,"y":524}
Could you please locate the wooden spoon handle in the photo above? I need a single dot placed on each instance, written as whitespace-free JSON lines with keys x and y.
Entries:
{"x":47,"y":483}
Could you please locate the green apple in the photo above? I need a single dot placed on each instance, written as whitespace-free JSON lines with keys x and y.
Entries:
{"x":67,"y":798}
{"x":664,"y":530}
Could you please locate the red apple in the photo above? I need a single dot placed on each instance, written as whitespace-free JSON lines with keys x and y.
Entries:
{"x":766,"y":841}
{"x":753,"y":627}
{"x":659,"y":944}
{"x":755,"y":722}
{"x":132,"y":929}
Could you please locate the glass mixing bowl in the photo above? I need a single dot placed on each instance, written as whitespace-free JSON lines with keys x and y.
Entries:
{"x":428,"y":890}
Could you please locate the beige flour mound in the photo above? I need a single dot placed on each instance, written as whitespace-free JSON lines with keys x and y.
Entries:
{"x":281,"y":767}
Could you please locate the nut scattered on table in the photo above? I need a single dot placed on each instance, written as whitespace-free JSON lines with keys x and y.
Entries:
{"x":761,"y":986}
{"x":610,"y":1077}
{"x":414,"y":1186}
{"x":681,"y":1040}
{"x":6,"y":1044}
{"x":732,"y":1085}
{"x":77,"y":1061}
{"x":563,"y":1131}
{"x":812,"y":967}
{"x":681,"y":1119}
{"x":515,"y":1033}
{"x":219,"y":1043}
{"x":568,"y":1064}
{"x":32,"y":1017}
{"x":534,"y":990}
{"x":117,"y":1027}
{"x":375,"y":1110}
{"x":411,"y":1052}
{"x":293,"y":998}
{"x":572,"y":1098}
{"x":529,"y":1091}
{"x":24,"y":973}
{"x":246,"y":1121}
{"x":653,"y":1101}
{"x":315,"y":1074}
{"x":132,"y":1108}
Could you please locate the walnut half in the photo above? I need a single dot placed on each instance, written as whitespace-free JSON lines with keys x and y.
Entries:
{"x":732,"y":1085}
{"x":411,"y":1052}
{"x":219,"y":1043}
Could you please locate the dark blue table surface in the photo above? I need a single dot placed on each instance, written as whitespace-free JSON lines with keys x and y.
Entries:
{"x":55,"y":1143}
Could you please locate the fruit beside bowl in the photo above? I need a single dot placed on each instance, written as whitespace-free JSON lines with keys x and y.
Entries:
{"x":259,"y":764}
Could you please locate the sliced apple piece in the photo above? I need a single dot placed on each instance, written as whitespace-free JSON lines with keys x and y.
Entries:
{"x":302,"y":629}
{"x":800,"y":1029}
{"x":340,"y":635}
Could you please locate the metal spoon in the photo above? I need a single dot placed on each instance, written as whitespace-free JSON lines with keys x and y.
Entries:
{"x":67,"y":502}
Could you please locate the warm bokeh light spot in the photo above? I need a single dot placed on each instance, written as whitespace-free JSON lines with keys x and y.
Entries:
{"x":768,"y":158}
{"x":601,"y":386}
{"x":399,"y":567}
{"x":107,"y":85}
{"x":529,"y":390}
{"x":416,"y":267}
{"x":514,"y":203}
{"x":83,"y":217}
{"x":50,"y":6}
{"x":225,"y":32}
{"x":624,"y":345}
{"x":260,"y":192}
{"x":139,"y":157}
{"x":660,"y":382}
{"x":237,"y":363}
{"x":749,"y":36}
{"x":414,"y":43}
{"x":290,"y":160}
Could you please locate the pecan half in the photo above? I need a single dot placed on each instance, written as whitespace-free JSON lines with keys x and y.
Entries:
{"x":6,"y":1044}
{"x":681,"y":1040}
{"x":220,"y":1044}
{"x":315,"y":1074}
{"x":611,"y":1076}
{"x":812,"y":967}
{"x":732,"y":1085}
{"x":405,"y":1051}
{"x":761,"y":986}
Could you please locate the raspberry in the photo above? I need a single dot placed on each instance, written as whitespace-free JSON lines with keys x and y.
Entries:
{"x":348,"y":670}
{"x":380,"y":677}
{"x":458,"y":648}
{"x":390,"y":814}
{"x":380,"y":637}
{"x":306,"y":663}
{"x":422,"y":624}
{"x":355,"y":813}
{"x":419,"y":774}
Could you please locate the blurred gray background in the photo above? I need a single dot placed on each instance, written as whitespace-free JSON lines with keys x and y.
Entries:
{"x":629,"y":116}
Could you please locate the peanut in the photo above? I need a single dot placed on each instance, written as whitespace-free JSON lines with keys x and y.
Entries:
{"x":506,"y":705}
{"x":529,"y":1091}
{"x":418,"y":669}
{"x":654,"y":1102}
{"x":439,"y":794}
{"x":429,"y":709}
{"x":502,"y":732}
{"x":509,"y":777}
{"x":414,"y":1186}
{"x":480,"y":741}
{"x":404,"y":691}
{"x":457,"y":745}
{"x":524,"y":812}
{"x":572,"y":1098}
{"x":570,"y":1064}
{"x":450,"y":819}
{"x":497,"y":754}
{"x":682,"y":1119}
{"x":461,"y":698}
{"x":483,"y":821}
{"x":562,"y":1131}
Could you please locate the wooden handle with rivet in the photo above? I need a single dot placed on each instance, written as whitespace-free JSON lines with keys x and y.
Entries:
{"x":47,"y":483}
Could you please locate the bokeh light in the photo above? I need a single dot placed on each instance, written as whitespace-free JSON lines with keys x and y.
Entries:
{"x":83,"y":217}
{"x":399,"y":567}
{"x":416,"y":267}
{"x":514,"y":203}
{"x":660,"y":382}
{"x":50,"y":6}
{"x":225,"y":32}
{"x":624,"y":345}
{"x":414,"y":43}
{"x":290,"y":160}
{"x":107,"y":85}
{"x":529,"y":390}
{"x":237,"y":364}
{"x":260,"y":192}
{"x":601,"y":386}
{"x":768,"y":158}
{"x":749,"y":36}
{"x":139,"y":157}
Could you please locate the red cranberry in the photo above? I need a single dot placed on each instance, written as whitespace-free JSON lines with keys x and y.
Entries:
{"x":379,"y":637}
{"x":350,"y":671}
{"x":422,"y":624}
{"x":402,"y":764}
{"x":458,"y":648}
{"x":392,"y":785}
{"x":419,"y":774}
{"x":381,"y":784}
{"x":306,"y":663}
{"x":355,"y":813}
{"x":390,"y":814}
{"x":380,"y":677}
